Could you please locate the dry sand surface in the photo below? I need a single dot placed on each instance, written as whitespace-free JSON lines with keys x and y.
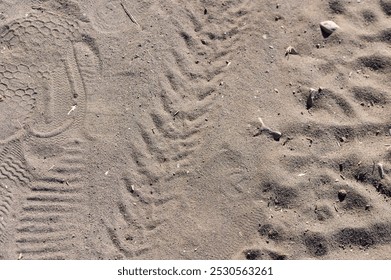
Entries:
{"x":156,"y":129}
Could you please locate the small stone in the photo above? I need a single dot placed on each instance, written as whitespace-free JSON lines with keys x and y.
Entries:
{"x":311,"y":97}
{"x":290,"y":50}
{"x":328,"y":27}
{"x":276,"y":135}
{"x":342,"y":195}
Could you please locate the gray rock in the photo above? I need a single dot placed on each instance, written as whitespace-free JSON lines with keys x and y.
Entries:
{"x":328,"y":27}
{"x":342,"y":195}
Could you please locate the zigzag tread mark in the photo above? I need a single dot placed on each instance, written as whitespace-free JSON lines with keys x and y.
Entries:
{"x":6,"y":199}
{"x":16,"y":168}
{"x":10,"y":173}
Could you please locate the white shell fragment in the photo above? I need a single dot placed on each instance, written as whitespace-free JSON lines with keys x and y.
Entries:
{"x":290,"y":50}
{"x":328,"y":27}
{"x":274,"y":133}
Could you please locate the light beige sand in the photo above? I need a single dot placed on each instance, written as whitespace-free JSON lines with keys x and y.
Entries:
{"x":183,"y":130}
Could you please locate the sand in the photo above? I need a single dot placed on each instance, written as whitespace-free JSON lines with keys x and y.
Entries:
{"x":195,"y":129}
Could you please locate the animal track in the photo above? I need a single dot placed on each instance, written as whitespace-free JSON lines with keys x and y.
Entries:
{"x":369,"y":95}
{"x":386,"y":6}
{"x":337,"y":7}
{"x":357,"y":110}
{"x":316,"y":244}
{"x":379,"y":63}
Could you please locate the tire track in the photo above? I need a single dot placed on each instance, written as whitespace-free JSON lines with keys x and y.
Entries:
{"x":189,"y":76}
{"x":195,"y":62}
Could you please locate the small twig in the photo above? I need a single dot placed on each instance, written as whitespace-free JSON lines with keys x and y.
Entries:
{"x":19,"y":123}
{"x":381,"y":170}
{"x":262,"y":123}
{"x":129,"y":15}
{"x":72,"y":109}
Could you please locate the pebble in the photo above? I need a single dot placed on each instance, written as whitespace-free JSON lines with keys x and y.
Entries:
{"x":328,"y":27}
{"x":342,"y":194}
{"x":276,"y":135}
{"x":311,"y":97}
{"x":343,"y":139}
{"x":290,"y":50}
